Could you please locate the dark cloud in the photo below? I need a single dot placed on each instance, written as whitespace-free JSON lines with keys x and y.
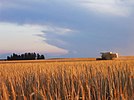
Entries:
{"x":92,"y":32}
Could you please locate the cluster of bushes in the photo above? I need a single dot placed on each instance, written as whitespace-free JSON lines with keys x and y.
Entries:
{"x":25,"y":56}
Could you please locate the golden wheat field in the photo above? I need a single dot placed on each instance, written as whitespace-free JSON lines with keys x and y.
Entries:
{"x":81,"y":79}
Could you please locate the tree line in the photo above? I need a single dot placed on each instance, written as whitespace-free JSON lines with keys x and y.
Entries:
{"x":25,"y":56}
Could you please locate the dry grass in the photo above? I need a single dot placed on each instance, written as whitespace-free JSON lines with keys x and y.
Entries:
{"x":75,"y":80}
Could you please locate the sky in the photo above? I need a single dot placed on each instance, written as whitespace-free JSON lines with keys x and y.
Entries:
{"x":66,"y":28}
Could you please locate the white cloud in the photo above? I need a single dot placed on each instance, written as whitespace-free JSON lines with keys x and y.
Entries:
{"x":109,"y":7}
{"x":23,"y":38}
{"x":59,"y":31}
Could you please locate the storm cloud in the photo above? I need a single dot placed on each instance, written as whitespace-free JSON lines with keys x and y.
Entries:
{"x":82,"y":27}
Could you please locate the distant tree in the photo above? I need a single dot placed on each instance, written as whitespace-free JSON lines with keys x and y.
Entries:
{"x":38,"y":56}
{"x":22,"y":56}
{"x":8,"y":58}
{"x":25,"y":56}
{"x":42,"y":57}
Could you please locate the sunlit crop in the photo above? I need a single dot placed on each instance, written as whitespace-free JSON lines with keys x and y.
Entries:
{"x":67,"y":80}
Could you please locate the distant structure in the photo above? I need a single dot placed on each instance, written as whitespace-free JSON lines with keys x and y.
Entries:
{"x":108,"y":56}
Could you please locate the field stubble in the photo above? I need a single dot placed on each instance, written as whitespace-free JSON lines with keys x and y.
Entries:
{"x":75,"y":80}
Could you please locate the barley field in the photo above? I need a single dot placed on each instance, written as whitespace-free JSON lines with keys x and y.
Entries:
{"x":73,"y":79}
